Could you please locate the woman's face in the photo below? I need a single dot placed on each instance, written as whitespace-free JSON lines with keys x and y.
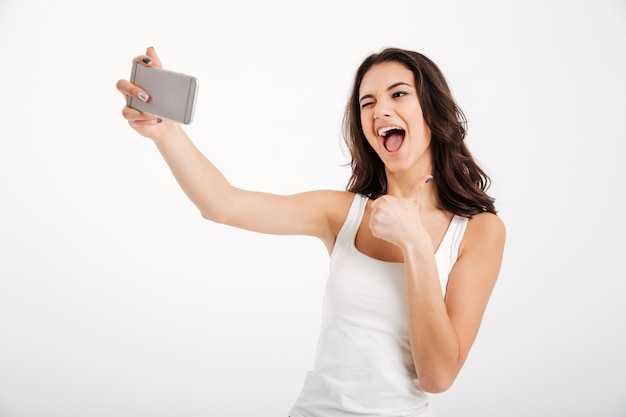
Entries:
{"x":392,"y":119}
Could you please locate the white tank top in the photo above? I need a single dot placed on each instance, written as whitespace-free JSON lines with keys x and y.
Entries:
{"x":363,"y":366}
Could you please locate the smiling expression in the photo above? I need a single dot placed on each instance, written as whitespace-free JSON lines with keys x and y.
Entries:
{"x":392,"y":118}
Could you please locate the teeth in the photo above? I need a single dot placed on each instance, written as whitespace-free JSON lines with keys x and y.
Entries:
{"x":384,"y":130}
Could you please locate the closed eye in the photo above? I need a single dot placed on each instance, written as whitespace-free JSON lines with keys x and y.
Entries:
{"x":366,"y":104}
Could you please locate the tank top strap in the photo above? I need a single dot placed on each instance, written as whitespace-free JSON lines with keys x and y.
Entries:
{"x":348,"y":231}
{"x":451,"y":242}
{"x":460,"y":224}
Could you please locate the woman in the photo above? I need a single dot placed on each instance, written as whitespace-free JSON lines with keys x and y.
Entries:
{"x":415,"y":243}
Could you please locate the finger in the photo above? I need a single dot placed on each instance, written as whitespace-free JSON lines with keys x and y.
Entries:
{"x":131,"y":114}
{"x":151,"y":53}
{"x":144,"y":60}
{"x":142,"y":123}
{"x":129,"y":89}
{"x":373,"y":225}
{"x":419,"y":186}
{"x":134,"y":115}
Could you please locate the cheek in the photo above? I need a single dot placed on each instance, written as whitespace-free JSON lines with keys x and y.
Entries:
{"x":367,"y":123}
{"x":367,"y":129}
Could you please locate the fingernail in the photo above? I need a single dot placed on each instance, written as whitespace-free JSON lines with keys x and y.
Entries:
{"x":428,"y":180}
{"x":159,"y":120}
{"x":147,"y":60}
{"x":142,"y":96}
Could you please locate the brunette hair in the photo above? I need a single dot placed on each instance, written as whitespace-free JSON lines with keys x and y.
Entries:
{"x":459,"y":182}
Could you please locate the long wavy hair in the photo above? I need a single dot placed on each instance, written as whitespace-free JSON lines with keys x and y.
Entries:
{"x":459,"y":182}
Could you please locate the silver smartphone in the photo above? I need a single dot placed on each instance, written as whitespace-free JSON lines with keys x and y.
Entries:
{"x":172,"y":94}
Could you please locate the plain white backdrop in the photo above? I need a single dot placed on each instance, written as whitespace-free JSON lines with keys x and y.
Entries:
{"x":118,"y":299}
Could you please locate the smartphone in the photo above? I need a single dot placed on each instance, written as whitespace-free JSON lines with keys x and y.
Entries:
{"x":172,"y":94}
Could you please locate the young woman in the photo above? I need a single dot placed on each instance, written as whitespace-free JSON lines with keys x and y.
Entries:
{"x":415,"y":243}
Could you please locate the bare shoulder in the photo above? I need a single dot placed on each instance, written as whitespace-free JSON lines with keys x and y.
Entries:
{"x":335,"y":206}
{"x":486,"y":222}
{"x":335,"y":196}
{"x":330,"y":200}
{"x":485,"y":231}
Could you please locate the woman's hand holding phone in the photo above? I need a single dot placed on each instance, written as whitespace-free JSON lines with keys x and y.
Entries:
{"x":146,"y":124}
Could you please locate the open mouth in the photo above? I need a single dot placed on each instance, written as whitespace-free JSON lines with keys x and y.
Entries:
{"x":393,"y":137}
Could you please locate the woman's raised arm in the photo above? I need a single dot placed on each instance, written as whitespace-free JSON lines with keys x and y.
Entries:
{"x":314,"y":213}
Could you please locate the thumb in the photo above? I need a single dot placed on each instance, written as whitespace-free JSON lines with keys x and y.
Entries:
{"x":419,"y":186}
{"x":155,"y":58}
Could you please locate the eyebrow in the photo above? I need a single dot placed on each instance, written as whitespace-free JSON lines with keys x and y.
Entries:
{"x":391,"y":87}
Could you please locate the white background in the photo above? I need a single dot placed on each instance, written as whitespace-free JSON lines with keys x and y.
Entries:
{"x":117,"y":299}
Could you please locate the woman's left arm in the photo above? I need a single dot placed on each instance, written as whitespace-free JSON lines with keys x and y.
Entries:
{"x":442,"y":329}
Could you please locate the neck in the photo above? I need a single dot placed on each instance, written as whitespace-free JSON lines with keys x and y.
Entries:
{"x":402,"y":184}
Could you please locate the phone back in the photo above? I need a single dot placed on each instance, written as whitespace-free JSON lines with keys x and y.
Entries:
{"x":172,"y":94}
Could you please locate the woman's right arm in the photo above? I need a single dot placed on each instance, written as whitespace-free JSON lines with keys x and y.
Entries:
{"x":315,"y":213}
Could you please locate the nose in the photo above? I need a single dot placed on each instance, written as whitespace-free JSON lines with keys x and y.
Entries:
{"x":382,"y":110}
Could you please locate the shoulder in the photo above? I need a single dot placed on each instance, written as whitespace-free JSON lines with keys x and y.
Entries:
{"x":485,"y":231}
{"x":331,"y":200}
{"x":486,"y":222}
{"x":336,"y":204}
{"x":334,"y":207}
{"x":323,"y":201}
